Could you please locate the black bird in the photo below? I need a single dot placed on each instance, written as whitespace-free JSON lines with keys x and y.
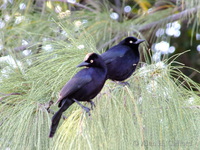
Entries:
{"x":122,"y":59}
{"x":83,"y":86}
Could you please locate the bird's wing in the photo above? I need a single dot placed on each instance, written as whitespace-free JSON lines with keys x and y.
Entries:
{"x":113,"y":53}
{"x":73,"y":85}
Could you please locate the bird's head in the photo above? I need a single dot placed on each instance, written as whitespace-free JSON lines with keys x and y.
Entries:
{"x":132,"y":41}
{"x":92,"y":60}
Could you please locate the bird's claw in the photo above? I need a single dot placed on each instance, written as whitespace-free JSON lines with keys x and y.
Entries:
{"x":83,"y":107}
{"x":92,"y":105}
{"x":121,"y":83}
{"x":87,"y":110}
{"x":124,"y":83}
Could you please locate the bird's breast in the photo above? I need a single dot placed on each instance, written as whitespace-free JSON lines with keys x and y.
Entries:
{"x":90,"y":90}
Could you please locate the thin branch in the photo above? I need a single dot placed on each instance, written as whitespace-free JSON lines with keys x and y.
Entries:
{"x":117,"y":7}
{"x":109,"y":42}
{"x":171,"y":18}
{"x":118,"y":3}
{"x":76,"y":4}
{"x":192,"y":74}
{"x":21,"y":48}
{"x":143,"y":28}
{"x":193,"y":107}
{"x":50,"y":111}
{"x":48,"y":105}
{"x":6,"y":95}
{"x":2,"y":102}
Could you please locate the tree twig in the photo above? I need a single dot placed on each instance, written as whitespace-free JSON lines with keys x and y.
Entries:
{"x":6,"y":95}
{"x":193,"y":107}
{"x":109,"y":42}
{"x":143,"y":28}
{"x":21,"y":48}
{"x":47,"y":107}
{"x":52,"y":112}
{"x":171,"y":18}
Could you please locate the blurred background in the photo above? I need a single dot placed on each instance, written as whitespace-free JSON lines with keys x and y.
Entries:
{"x":169,"y":27}
{"x":42,"y":41}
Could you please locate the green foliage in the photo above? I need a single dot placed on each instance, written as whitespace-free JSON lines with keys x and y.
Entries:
{"x":159,"y":110}
{"x":153,"y":113}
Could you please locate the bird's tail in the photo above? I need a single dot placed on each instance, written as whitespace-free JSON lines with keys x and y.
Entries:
{"x":57,"y":116}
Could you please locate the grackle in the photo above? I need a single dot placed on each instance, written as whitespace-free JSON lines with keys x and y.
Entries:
{"x":122,"y":59}
{"x":83,"y":86}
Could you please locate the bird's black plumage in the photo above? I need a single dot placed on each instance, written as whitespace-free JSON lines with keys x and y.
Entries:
{"x":122,"y":59}
{"x":83,"y":86}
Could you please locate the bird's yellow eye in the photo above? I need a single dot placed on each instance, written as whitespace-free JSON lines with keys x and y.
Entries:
{"x":130,"y":41}
{"x":91,"y":61}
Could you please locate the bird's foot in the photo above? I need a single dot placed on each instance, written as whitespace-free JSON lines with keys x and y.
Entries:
{"x":123,"y":83}
{"x":92,"y":104}
{"x":83,"y":107}
{"x":87,"y":110}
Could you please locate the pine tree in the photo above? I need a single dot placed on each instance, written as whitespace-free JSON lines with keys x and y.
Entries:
{"x":43,"y":41}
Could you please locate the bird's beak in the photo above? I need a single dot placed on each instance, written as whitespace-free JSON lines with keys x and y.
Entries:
{"x":139,"y":41}
{"x":83,"y":64}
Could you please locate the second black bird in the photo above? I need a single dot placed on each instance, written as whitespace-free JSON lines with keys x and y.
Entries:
{"x":122,"y":59}
{"x":84,"y":86}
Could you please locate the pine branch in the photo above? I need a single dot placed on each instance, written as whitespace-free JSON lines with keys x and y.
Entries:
{"x":21,"y":48}
{"x":118,"y":3}
{"x":143,"y":28}
{"x":171,"y":18}
{"x":111,"y":41}
{"x":50,"y":111}
{"x":193,"y":107}
{"x":6,"y":95}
